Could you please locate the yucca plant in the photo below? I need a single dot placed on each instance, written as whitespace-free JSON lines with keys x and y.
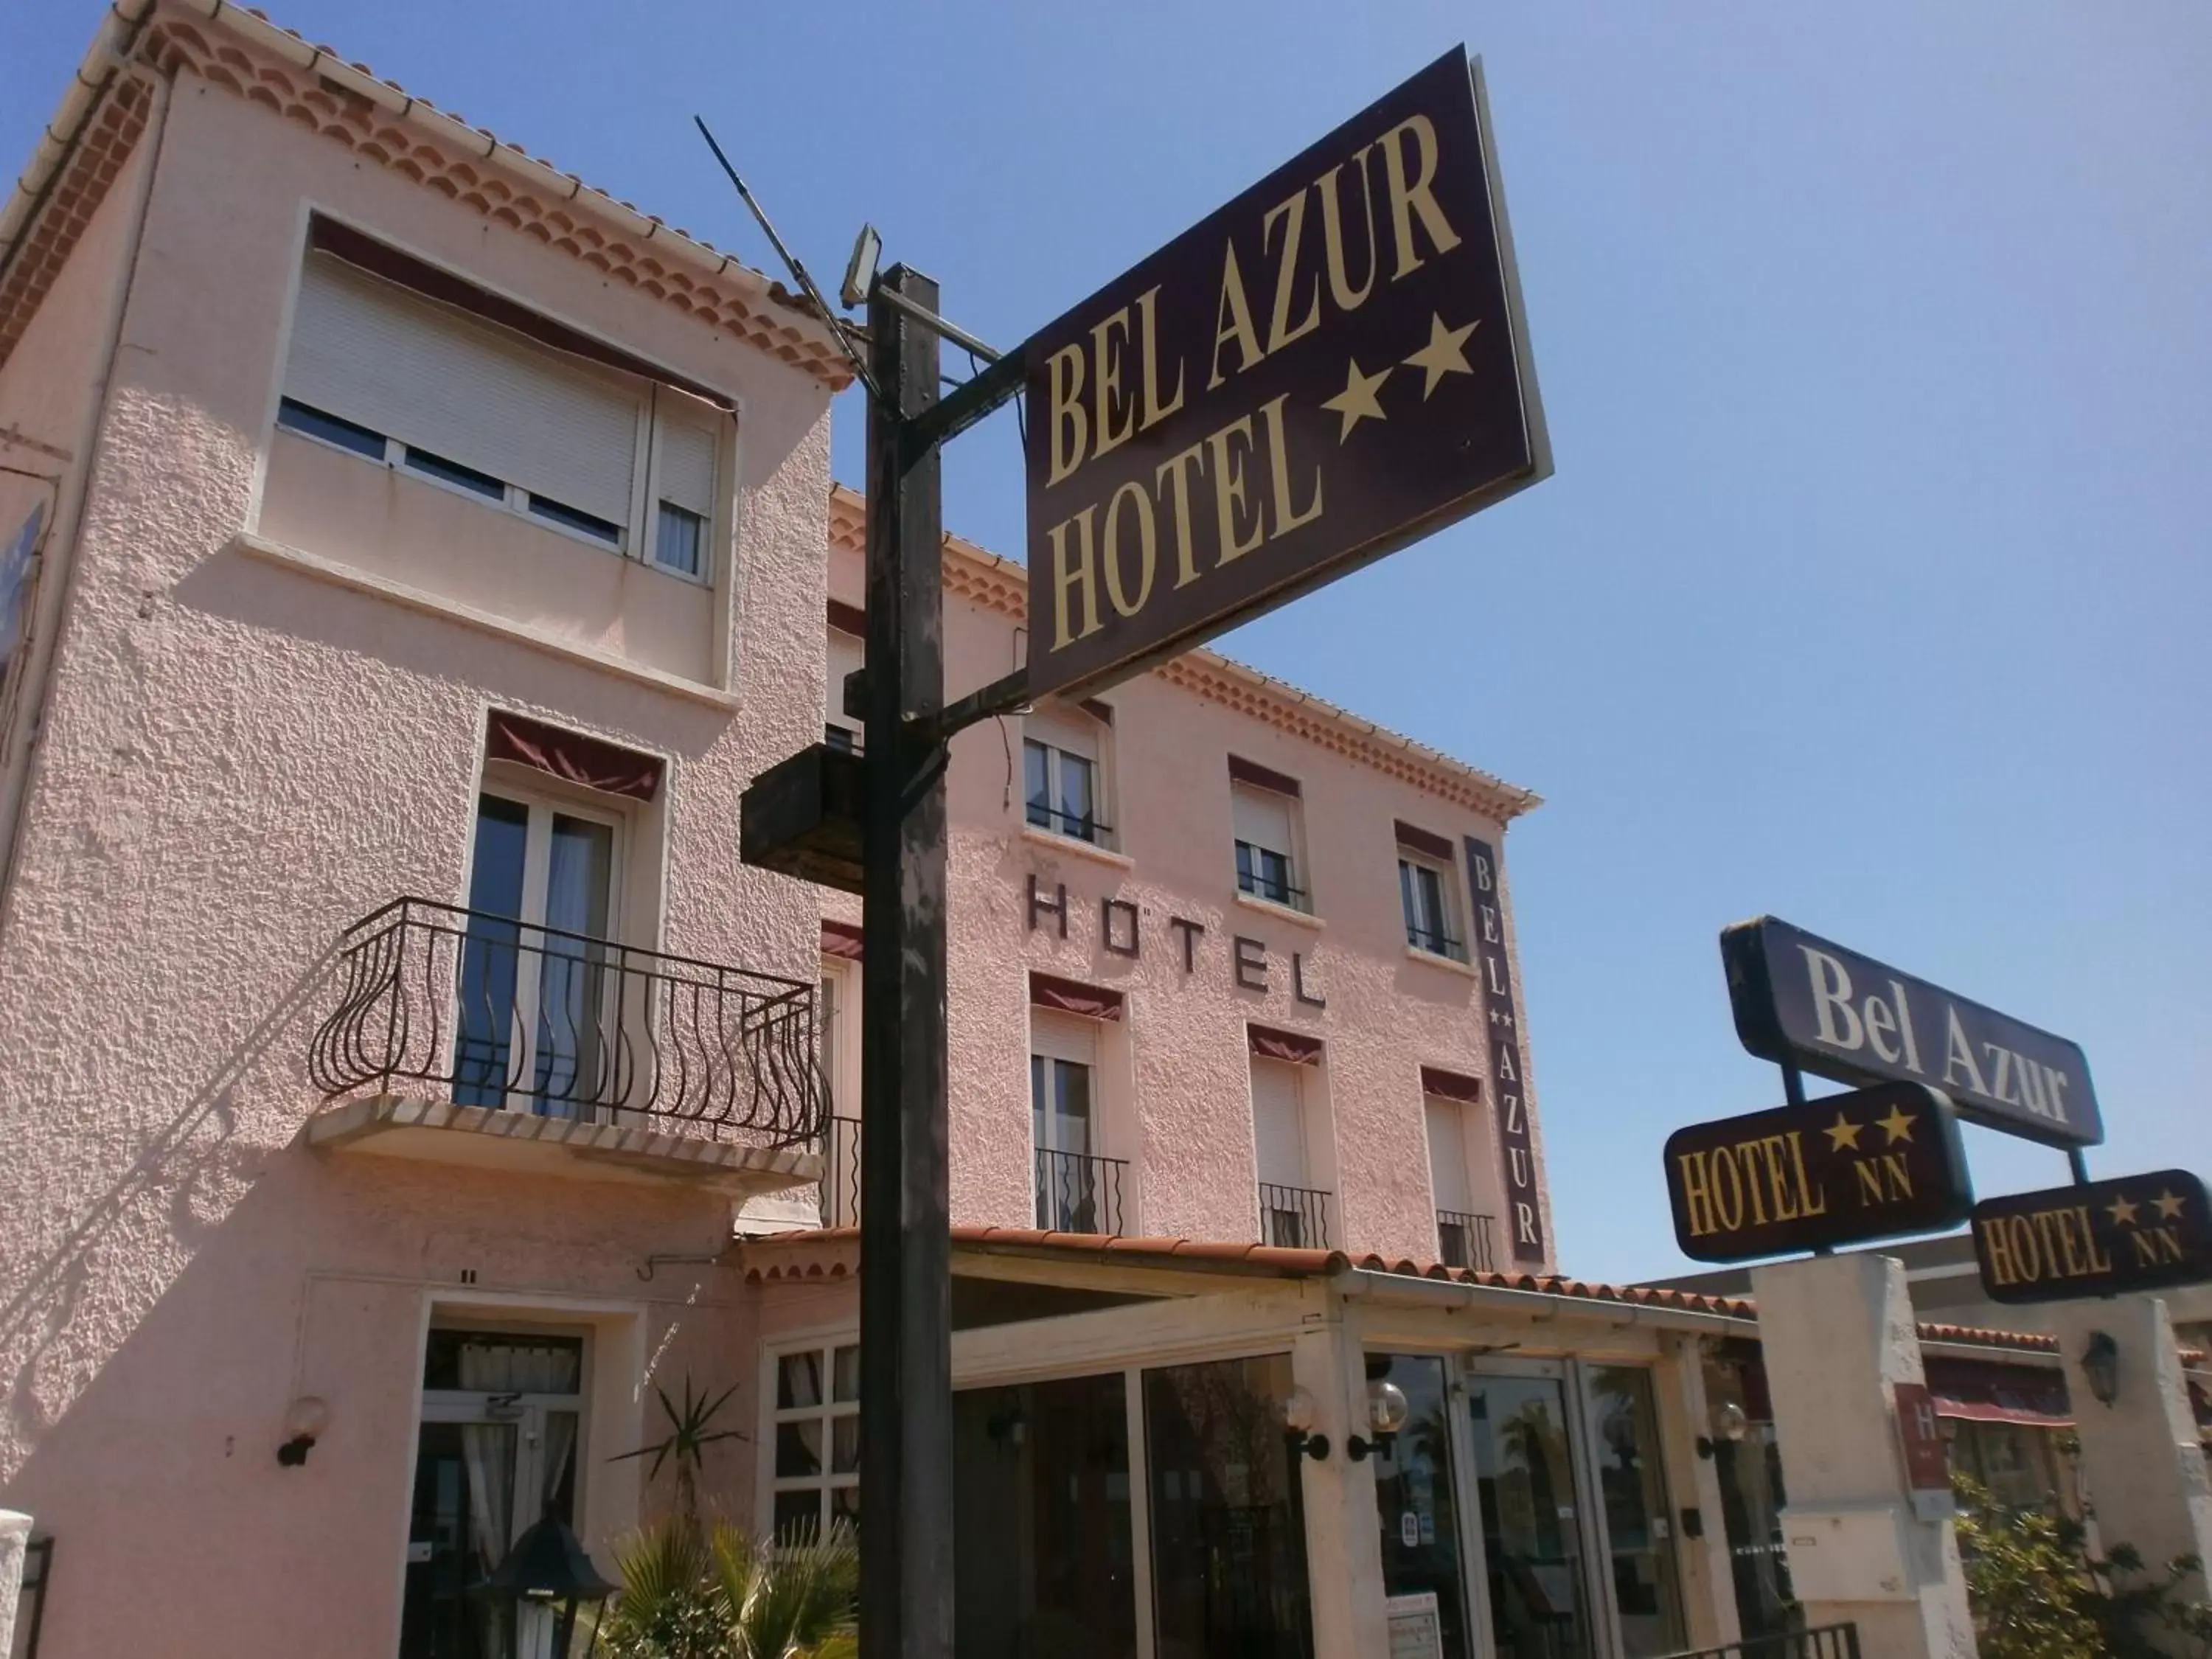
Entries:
{"x":724,"y":1595}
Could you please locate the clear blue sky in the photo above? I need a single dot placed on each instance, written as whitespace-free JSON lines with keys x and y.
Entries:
{"x":1876,"y":342}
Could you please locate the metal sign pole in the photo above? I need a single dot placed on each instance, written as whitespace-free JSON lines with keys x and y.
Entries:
{"x":905,"y":1364}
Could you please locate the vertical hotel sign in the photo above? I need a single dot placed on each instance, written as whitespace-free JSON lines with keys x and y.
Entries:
{"x":1516,"y":1147}
{"x":1329,"y":366}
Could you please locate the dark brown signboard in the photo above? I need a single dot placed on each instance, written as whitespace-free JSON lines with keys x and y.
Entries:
{"x":1516,"y":1143}
{"x":1327,"y":368}
{"x":1800,"y":1000}
{"x":1927,"y":1456}
{"x":1876,"y":1162}
{"x":2140,"y":1232}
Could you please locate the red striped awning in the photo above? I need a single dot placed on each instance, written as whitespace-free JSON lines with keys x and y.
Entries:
{"x":1983,"y":1391}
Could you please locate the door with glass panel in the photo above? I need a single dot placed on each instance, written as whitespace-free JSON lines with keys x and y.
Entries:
{"x":497,"y":1450}
{"x":1638,"y":1568}
{"x":1523,"y":1445}
{"x":535,"y":1030}
{"x":1063,"y":1126}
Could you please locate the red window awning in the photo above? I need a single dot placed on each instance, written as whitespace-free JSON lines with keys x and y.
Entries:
{"x":1072,"y":997}
{"x":1450,"y":1085}
{"x":1984,"y":1391}
{"x":1271,"y":1044}
{"x":841,"y":939}
{"x":571,"y":756}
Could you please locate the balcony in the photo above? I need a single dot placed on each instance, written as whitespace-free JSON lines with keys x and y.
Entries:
{"x":840,"y":1190}
{"x":474,"y":1038}
{"x":1079,"y":1194}
{"x":1294,"y":1218}
{"x":1467,"y":1240}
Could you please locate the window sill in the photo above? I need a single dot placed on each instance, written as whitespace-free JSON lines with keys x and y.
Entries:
{"x":1087,"y":849}
{"x":436,"y":604}
{"x":1414,"y":953}
{"x":1269,"y":908}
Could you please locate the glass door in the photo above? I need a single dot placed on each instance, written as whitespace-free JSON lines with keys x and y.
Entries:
{"x":1521,"y":1444}
{"x":535,"y":1018}
{"x":1622,"y":1432}
{"x":1415,"y":1498}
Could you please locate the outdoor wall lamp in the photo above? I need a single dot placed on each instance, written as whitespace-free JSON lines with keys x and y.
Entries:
{"x":1730,"y":1423}
{"x":1298,"y":1413}
{"x":1386,"y":1414}
{"x":2100,"y":1363}
{"x":304,"y":1421}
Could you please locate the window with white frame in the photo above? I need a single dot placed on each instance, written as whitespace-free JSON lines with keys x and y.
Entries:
{"x":845,"y":655}
{"x":15,"y":567}
{"x":1064,"y":775}
{"x":814,"y":1423}
{"x":388,"y":374}
{"x":1430,"y":898}
{"x":1265,"y":820}
{"x":1065,"y":1124}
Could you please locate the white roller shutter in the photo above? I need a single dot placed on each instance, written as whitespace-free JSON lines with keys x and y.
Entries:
{"x":1260,"y":817}
{"x":1279,"y":1122}
{"x":369,"y":351}
{"x":686,"y":465}
{"x":1448,"y":1153}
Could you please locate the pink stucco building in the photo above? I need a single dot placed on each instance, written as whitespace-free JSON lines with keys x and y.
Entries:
{"x":410,"y":556}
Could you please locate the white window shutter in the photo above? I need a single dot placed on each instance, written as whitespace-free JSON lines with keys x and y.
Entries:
{"x":1072,"y":735}
{"x":1448,"y":1153}
{"x":1278,"y":1122}
{"x":1059,"y":1035}
{"x":1260,"y":817}
{"x":369,"y":351}
{"x":686,"y":465}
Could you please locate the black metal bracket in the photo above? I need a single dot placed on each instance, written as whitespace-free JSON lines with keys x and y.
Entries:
{"x":1005,"y":695}
{"x":960,"y":408}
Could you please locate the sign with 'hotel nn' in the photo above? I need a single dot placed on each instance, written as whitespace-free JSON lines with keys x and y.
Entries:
{"x":1847,"y":1169}
{"x":1799,"y":1001}
{"x":2142,"y":1232}
{"x":1328,"y":368}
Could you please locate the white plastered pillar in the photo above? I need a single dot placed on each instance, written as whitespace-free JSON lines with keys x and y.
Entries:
{"x":1839,"y":1334}
{"x":1685,"y":1414}
{"x":1344,"y":1538}
{"x":2141,"y":1455}
{"x":15,"y":1540}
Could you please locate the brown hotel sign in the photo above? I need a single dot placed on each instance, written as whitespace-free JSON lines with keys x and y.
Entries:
{"x":1327,"y":368}
{"x":2142,"y":1232}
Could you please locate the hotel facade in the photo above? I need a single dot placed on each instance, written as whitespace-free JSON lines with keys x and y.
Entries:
{"x":411,"y":556}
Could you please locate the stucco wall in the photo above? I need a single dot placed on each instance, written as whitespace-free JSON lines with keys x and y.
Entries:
{"x":238,"y":761}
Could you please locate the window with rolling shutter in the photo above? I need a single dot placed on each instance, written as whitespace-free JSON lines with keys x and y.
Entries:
{"x":1265,"y":824}
{"x":381,"y":371}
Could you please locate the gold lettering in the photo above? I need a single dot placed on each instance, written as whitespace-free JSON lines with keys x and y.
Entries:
{"x":1727,"y":1208}
{"x":2099,"y":1261}
{"x":1747,"y":1168}
{"x":1341,"y":290}
{"x":2046,"y":1228}
{"x":1696,"y":1193}
{"x":1899,"y":1175}
{"x":1109,"y":383}
{"x":2154,"y":1246}
{"x":2074,"y":1266}
{"x":1063,"y":578}
{"x":1148,"y":330}
{"x":1229,"y":492}
{"x":1815,"y":1200}
{"x":1233,"y":320}
{"x":2024,"y":1248}
{"x":1870,"y":1180}
{"x":1287,"y":517}
{"x":1407,"y":199}
{"x":1173,"y":474}
{"x":1131,"y":491}
{"x":1777,"y":1177}
{"x":2001,"y":1267}
{"x":1280,"y":331}
{"x":1067,"y":416}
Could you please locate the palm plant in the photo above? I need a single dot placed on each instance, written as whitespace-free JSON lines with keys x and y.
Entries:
{"x":688,"y":1437}
{"x":724,"y":1595}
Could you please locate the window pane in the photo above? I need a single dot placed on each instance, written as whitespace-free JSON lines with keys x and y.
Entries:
{"x":490,"y":954}
{"x":1075,"y":805}
{"x":598,"y":529}
{"x":797,"y":1516}
{"x":680,"y":541}
{"x":799,"y":1449}
{"x":1071,"y":1127}
{"x":847,"y":1378}
{"x":330,"y":429}
{"x":799,"y":1381}
{"x":1414,"y":1498}
{"x":1037,"y":782}
{"x":844,"y":1445}
{"x":845,"y":1505}
{"x":453,"y":472}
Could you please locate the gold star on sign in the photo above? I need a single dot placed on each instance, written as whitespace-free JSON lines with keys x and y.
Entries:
{"x":2123,"y":1211}
{"x":1357,"y":401}
{"x":1843,"y":1133}
{"x":2168,"y":1205}
{"x":1897,"y":1125}
{"x":1445,"y":353}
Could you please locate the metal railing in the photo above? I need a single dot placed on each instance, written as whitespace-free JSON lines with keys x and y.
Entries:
{"x":1436,"y":942}
{"x":1255,"y":876}
{"x":1076,"y":1192}
{"x":1081,"y":826}
{"x":505,"y":1014}
{"x":841,"y":1171}
{"x":1296,"y":1218}
{"x":1467,"y":1240}
{"x":1828,"y":1641}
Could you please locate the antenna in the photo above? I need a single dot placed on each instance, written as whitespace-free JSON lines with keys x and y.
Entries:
{"x":837,"y":325}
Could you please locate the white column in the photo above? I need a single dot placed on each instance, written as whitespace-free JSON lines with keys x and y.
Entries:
{"x":1685,"y":1414}
{"x":2141,"y":1454}
{"x":1839,"y":1334}
{"x":14,"y":1539}
{"x":1343,"y":1538}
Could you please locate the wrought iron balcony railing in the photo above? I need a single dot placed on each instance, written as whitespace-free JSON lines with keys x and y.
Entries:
{"x":1076,"y":1192}
{"x":1467,"y":1240}
{"x":841,"y":1171}
{"x":505,"y":1014}
{"x":1296,"y":1218}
